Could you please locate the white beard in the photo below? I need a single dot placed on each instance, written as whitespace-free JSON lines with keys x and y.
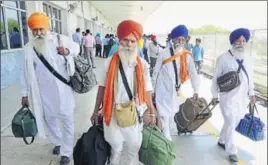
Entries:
{"x":178,"y":48}
{"x":40,"y":44}
{"x":128,"y":55}
{"x":239,"y":52}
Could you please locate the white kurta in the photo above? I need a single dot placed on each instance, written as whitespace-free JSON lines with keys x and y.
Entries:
{"x":166,"y":98}
{"x":132,"y":135}
{"x":233,"y":103}
{"x":48,"y":96}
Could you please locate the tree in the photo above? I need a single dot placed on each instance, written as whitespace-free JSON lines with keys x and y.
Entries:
{"x":208,"y":29}
{"x":12,"y":23}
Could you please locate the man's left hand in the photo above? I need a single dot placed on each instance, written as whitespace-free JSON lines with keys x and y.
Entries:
{"x":62,"y":51}
{"x":253,"y":99}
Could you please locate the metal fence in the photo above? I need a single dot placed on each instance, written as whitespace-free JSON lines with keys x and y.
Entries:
{"x":215,"y":44}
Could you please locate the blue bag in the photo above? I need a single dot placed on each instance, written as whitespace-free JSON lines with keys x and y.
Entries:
{"x":251,"y":126}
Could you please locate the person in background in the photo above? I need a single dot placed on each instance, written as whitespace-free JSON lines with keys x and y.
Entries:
{"x":145,"y":45}
{"x":50,"y":99}
{"x":118,"y":136}
{"x":188,"y":46}
{"x":89,"y":44}
{"x":153,"y":51}
{"x":15,"y":38}
{"x":168,"y":41}
{"x":198,"y":54}
{"x":111,"y":43}
{"x":233,"y":104}
{"x":105,"y":45}
{"x":77,"y":38}
{"x":98,"y":45}
{"x":146,"y":54}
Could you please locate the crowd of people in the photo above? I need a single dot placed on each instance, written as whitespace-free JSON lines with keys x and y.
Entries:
{"x":133,"y":55}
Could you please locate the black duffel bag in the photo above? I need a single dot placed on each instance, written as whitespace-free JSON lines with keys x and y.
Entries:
{"x":230,"y":80}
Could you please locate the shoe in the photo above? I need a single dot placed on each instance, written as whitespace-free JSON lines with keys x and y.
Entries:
{"x":56,"y":150}
{"x":221,"y":145}
{"x":233,"y":158}
{"x":65,"y":160}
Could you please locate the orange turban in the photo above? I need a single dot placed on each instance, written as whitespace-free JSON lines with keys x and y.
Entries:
{"x":38,"y":20}
{"x":128,"y":27}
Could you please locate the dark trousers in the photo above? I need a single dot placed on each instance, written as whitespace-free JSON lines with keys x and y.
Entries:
{"x":105,"y":51}
{"x":98,"y":50}
{"x":198,"y":66}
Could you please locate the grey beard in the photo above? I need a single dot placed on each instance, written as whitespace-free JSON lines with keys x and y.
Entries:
{"x":128,"y":55}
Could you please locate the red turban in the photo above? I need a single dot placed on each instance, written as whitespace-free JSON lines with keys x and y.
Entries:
{"x":38,"y":20}
{"x":153,"y":37}
{"x":128,"y":27}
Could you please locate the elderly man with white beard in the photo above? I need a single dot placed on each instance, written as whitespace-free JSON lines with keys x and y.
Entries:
{"x":125,"y":68}
{"x":233,"y":103}
{"x":49,"y":97}
{"x":165,"y":83}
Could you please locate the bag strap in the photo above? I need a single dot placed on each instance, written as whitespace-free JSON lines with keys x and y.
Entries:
{"x":177,"y":86}
{"x":251,"y":111}
{"x":241,"y":66}
{"x":125,"y":82}
{"x":240,"y":63}
{"x":50,"y":68}
{"x":23,"y":129}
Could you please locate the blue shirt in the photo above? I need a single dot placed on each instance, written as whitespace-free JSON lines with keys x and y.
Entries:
{"x":77,"y":38}
{"x":198,"y":53}
{"x":188,"y":46}
{"x":105,"y":41}
{"x":115,"y":48}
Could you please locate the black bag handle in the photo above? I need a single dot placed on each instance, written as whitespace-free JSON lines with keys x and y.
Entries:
{"x":23,"y":130}
{"x":251,"y":112}
{"x":51,"y":69}
{"x":125,"y":80}
{"x":177,"y":86}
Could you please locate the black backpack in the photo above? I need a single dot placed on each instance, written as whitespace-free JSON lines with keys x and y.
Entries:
{"x":91,"y":148}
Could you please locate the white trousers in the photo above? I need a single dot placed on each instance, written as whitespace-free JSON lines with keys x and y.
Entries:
{"x":125,"y":142}
{"x":62,"y":138}
{"x":228,"y":131}
{"x":168,"y":125}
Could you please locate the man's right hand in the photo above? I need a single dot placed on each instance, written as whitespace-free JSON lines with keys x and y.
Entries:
{"x":25,"y":101}
{"x":94,"y":118}
{"x":214,"y":101}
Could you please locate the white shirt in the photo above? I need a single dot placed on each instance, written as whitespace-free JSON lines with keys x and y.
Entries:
{"x":122,"y":95}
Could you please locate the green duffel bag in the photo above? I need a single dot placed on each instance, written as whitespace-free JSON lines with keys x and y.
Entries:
{"x":155,"y":148}
{"x":24,"y":125}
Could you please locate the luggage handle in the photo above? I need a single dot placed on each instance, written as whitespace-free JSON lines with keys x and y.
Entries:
{"x":23,"y":130}
{"x":251,"y":111}
{"x":207,"y":107}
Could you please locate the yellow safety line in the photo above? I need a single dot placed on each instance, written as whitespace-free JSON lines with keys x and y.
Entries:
{"x":212,"y":130}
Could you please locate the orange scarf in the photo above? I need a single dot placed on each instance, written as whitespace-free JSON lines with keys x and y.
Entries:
{"x":184,"y":75}
{"x":108,"y":99}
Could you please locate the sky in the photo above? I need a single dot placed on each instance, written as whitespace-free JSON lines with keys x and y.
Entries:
{"x":194,"y":14}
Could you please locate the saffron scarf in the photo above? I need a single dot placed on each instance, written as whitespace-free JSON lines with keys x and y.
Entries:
{"x":108,"y":100}
{"x":184,"y":75}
